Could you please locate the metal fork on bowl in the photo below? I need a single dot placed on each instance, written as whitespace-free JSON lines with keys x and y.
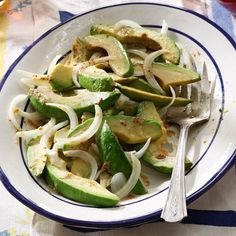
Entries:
{"x":175,"y":207}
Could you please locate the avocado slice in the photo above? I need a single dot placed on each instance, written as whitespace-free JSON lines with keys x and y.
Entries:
{"x":61,"y":75}
{"x":82,"y":102}
{"x":64,"y":133}
{"x":95,"y":79}
{"x":120,"y":62}
{"x":156,"y":155}
{"x":36,"y":159}
{"x":61,"y":78}
{"x":169,"y":74}
{"x":122,"y":80}
{"x":77,"y":188}
{"x":129,"y":129}
{"x":113,"y":155}
{"x":149,"y":38}
{"x":159,"y":100}
{"x":133,"y":130}
{"x":161,"y":163}
{"x":126,"y":105}
{"x":148,"y":111}
{"x":143,"y":85}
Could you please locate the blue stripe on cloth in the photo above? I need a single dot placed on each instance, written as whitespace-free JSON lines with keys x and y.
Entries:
{"x":214,"y":218}
{"x":65,"y":15}
{"x":222,"y":17}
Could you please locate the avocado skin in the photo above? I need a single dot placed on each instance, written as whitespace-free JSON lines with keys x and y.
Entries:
{"x":69,"y":191}
{"x":112,"y":153}
{"x":159,"y":100}
{"x":96,"y":84}
{"x":49,"y":111}
{"x":143,"y":85}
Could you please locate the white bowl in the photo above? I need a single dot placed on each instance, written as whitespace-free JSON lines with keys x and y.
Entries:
{"x":211,"y":146}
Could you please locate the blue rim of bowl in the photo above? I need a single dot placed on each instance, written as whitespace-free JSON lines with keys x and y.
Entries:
{"x":133,"y":221}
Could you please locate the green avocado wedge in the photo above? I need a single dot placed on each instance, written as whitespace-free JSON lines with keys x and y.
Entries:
{"x":61,"y":78}
{"x":156,"y":155}
{"x":77,"y":188}
{"x":163,"y":164}
{"x":149,"y":38}
{"x":122,"y":80}
{"x":159,"y":100}
{"x":169,"y":74}
{"x":113,"y":155}
{"x":82,"y":102}
{"x":36,"y":159}
{"x":141,"y":84}
{"x":95,"y":79}
{"x":132,"y":130}
{"x":119,"y":62}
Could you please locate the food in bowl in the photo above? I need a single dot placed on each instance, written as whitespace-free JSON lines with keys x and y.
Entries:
{"x":101,"y":108}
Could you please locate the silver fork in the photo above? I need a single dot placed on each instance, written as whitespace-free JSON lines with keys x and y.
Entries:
{"x":175,"y":207}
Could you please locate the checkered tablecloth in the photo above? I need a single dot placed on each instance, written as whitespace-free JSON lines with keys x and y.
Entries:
{"x":214,"y":213}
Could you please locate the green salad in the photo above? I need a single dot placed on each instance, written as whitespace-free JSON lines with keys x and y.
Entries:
{"x":99,"y":112}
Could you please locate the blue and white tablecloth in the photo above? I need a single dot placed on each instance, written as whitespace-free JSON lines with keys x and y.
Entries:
{"x":214,"y":213}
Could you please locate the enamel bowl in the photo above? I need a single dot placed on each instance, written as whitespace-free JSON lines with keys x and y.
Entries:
{"x":211,"y":146}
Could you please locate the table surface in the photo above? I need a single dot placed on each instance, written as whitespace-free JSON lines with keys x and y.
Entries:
{"x":19,"y":26}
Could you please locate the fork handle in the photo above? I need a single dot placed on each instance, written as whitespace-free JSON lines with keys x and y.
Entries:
{"x":175,"y":207}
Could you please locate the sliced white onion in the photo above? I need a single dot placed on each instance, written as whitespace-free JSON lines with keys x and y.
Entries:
{"x":34,"y":116}
{"x":85,"y":156}
{"x":101,"y":59}
{"x":69,"y":111}
{"x":164,"y":27}
{"x":153,"y":82}
{"x":137,"y":52}
{"x":54,"y":157}
{"x":95,"y":55}
{"x":34,"y":81}
{"x":30,"y":134}
{"x":53,"y":63}
{"x":28,"y":74}
{"x":126,"y":23}
{"x":185,"y":59}
{"x":88,"y":133}
{"x":163,"y":110}
{"x":118,"y":181}
{"x":74,"y":78}
{"x":147,"y":66}
{"x":141,"y":152}
{"x":138,"y":154}
{"x":46,"y":139}
{"x":13,"y":109}
{"x":136,"y":170}
{"x":78,"y":91}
